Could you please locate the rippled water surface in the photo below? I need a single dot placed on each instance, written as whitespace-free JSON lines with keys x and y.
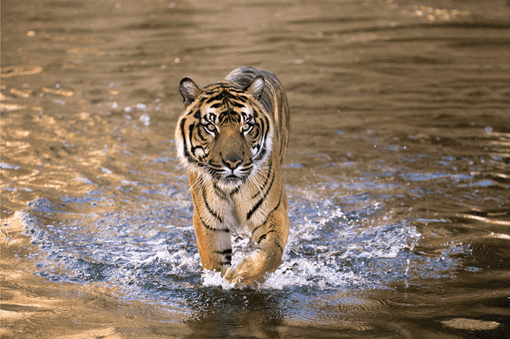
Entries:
{"x":398,"y":169}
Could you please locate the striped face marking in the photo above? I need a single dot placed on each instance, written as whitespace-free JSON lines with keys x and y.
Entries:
{"x":226,"y":134}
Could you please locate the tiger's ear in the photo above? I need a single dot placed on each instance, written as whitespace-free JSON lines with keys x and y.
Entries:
{"x":256,"y":87}
{"x":189,"y":90}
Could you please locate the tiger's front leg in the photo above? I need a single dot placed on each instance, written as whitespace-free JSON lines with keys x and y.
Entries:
{"x":213,"y":238}
{"x":214,"y":245}
{"x":270,"y":238}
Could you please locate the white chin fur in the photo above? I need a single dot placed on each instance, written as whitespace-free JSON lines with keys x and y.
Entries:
{"x":228,"y":186}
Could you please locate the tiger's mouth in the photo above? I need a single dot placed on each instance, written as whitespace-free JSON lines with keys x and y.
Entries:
{"x":232,"y":179}
{"x":229,"y":179}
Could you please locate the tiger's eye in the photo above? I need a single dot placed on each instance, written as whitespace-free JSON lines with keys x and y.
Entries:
{"x":210,"y":127}
{"x":246,"y":127}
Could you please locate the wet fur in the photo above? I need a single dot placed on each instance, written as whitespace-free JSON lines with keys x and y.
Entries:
{"x":231,"y":138}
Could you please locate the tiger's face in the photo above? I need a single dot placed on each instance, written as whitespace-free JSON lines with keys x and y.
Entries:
{"x":224,"y":132}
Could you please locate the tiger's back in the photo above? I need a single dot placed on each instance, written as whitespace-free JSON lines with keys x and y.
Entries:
{"x":232,"y":137}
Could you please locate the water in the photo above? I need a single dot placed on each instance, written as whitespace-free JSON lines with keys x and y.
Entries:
{"x":398,"y":169}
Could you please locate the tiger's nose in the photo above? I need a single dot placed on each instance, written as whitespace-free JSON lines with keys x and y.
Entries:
{"x":232,"y":161}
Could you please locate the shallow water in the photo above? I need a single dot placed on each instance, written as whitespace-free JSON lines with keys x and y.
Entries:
{"x":398,"y":169}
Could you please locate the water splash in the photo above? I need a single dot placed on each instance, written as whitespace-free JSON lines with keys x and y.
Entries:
{"x":148,"y":248}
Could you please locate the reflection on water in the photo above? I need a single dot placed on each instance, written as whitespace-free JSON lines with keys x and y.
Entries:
{"x":398,"y":170}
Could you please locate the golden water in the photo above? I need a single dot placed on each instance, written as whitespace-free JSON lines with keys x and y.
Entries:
{"x":398,"y":169}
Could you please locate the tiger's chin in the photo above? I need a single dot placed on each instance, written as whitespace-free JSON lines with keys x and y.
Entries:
{"x":229,"y":183}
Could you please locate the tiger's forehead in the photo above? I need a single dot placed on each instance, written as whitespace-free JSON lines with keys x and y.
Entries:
{"x":222,"y":85}
{"x":224,"y":101}
{"x":224,"y":93}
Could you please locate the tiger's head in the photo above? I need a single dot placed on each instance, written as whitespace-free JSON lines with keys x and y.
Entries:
{"x":224,"y":133}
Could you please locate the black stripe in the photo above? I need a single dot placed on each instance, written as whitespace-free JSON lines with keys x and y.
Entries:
{"x":235,"y":191}
{"x":261,"y":200}
{"x":227,"y":254}
{"x":274,"y":209}
{"x":246,"y":169}
{"x":227,"y":95}
{"x":209,"y":207}
{"x":241,"y":98}
{"x":214,"y":166}
{"x":270,"y":167}
{"x":217,"y":97}
{"x":229,"y":116}
{"x":261,"y":154}
{"x":226,"y":230}
{"x":190,"y":131}
{"x":264,"y":134}
{"x":235,"y":104}
{"x":264,"y":237}
{"x":219,"y":192}
{"x":227,"y":251}
{"x":186,"y":151}
{"x":255,"y":131}
{"x":215,"y":174}
{"x":194,"y":148}
{"x":266,"y":128}
{"x":201,"y":101}
{"x":262,"y":126}
{"x":200,"y":134}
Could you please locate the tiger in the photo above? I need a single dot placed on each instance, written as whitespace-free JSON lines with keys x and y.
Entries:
{"x":231,"y":138}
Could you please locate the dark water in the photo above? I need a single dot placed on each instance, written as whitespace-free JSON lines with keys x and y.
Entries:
{"x":398,"y":170}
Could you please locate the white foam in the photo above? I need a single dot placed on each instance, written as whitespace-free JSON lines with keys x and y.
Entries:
{"x":214,"y":279}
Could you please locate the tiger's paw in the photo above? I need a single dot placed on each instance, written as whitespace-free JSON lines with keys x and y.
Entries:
{"x":243,"y":274}
{"x":238,"y":281}
{"x":249,"y":270}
